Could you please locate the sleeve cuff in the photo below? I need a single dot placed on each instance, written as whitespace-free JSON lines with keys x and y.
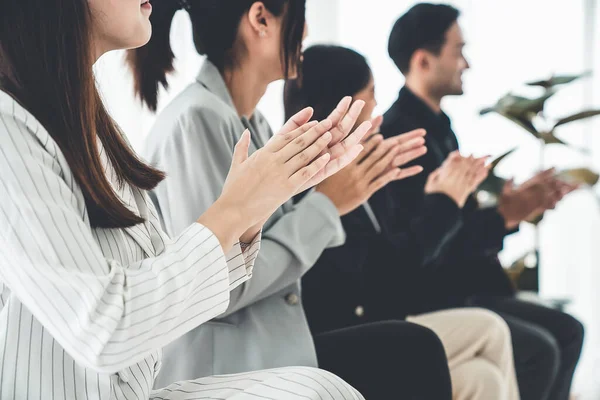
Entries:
{"x":444,"y":204}
{"x":495,"y":227}
{"x":329,"y":214}
{"x":206,"y":239}
{"x":250,"y":253}
{"x":240,"y":262}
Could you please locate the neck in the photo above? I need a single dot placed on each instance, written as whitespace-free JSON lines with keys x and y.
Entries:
{"x":422,"y":92}
{"x":246,"y":86}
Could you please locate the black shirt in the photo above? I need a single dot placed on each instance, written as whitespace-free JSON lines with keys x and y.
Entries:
{"x":428,"y":254}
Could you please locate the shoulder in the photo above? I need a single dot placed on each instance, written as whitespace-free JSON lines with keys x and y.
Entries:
{"x":396,"y":121}
{"x":29,"y":155}
{"x":21,"y":131}
{"x":196,"y":115}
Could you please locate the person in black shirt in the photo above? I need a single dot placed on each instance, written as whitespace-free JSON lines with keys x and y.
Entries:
{"x":348,"y":288}
{"x":427,"y":44}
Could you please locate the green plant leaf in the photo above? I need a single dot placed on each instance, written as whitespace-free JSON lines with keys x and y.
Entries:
{"x":522,"y":122}
{"x":517,"y":105}
{"x":550,"y":138}
{"x":493,"y":184}
{"x":558,"y":80}
{"x":497,"y":161}
{"x":582,"y":176}
{"x":487,"y":110}
{"x":577,"y":117}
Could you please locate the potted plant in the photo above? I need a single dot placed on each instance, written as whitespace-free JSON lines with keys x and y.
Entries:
{"x":529,"y":114}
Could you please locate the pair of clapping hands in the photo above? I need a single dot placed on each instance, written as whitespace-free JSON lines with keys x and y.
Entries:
{"x":347,"y":166}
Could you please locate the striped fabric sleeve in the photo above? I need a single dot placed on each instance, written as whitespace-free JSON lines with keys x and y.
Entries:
{"x":240,"y":261}
{"x":106,"y":315}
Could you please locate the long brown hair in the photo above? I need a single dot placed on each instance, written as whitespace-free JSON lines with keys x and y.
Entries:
{"x":215,"y":26}
{"x":46,"y":60}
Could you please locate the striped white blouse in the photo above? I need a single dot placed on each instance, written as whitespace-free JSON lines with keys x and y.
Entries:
{"x":84,"y":312}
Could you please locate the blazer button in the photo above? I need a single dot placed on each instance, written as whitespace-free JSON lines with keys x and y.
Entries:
{"x":359,"y":311}
{"x":292,"y":299}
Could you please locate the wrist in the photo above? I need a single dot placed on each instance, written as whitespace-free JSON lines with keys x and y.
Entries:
{"x":225,"y":221}
{"x":333,"y":199}
{"x":459,"y":200}
{"x":252,"y":232}
{"x":509,"y":223}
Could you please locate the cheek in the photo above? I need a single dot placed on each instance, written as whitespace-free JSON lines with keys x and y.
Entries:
{"x":124,"y":23}
{"x":366,"y":114}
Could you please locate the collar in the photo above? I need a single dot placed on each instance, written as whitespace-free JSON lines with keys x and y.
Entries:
{"x":213,"y":81}
{"x":413,"y":104}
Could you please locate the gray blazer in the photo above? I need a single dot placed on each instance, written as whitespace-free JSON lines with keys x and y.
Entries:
{"x":264,"y":326}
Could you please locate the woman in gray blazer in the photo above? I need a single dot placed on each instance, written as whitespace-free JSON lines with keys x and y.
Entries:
{"x":249,"y":45}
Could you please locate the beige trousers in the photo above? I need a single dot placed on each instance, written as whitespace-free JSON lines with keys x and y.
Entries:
{"x":479,"y":350}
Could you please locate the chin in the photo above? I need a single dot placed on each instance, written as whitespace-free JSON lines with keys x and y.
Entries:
{"x":142,"y":37}
{"x":457,"y":91}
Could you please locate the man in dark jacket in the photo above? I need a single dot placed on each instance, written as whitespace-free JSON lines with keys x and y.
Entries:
{"x":426,"y":44}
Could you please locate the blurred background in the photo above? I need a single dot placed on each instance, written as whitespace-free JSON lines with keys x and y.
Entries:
{"x":509,"y":42}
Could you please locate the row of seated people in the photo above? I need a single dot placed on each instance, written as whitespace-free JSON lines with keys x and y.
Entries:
{"x":379,"y":280}
{"x":393,"y":261}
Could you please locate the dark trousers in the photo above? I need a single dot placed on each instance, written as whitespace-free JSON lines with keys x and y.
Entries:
{"x":547,"y":344}
{"x":387,"y":360}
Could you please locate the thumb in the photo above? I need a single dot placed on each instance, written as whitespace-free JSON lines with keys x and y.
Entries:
{"x":434,"y":175}
{"x":376,"y":124}
{"x":240,"y":152}
{"x":508,"y":186}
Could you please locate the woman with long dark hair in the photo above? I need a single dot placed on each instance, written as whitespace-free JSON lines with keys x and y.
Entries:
{"x":249,"y":44}
{"x":90,"y":286}
{"x":378,"y":261}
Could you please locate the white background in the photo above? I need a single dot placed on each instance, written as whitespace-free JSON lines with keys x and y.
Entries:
{"x":509,"y":42}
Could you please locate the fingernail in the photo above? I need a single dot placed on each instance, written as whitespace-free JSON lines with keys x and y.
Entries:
{"x":327,"y":136}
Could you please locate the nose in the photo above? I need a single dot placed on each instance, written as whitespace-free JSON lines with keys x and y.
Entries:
{"x":467,"y":65}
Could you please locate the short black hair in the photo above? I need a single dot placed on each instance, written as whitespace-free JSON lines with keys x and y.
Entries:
{"x":424,"y":26}
{"x":328,"y":73}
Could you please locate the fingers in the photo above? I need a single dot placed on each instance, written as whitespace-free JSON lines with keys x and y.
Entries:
{"x":409,"y":153}
{"x":342,"y":108}
{"x":453,"y":156}
{"x":434,"y":175}
{"x":304,"y":175}
{"x":301,"y":118}
{"x":410,"y":136}
{"x":539,"y":177}
{"x":509,"y":186}
{"x":240,"y":151}
{"x":303,"y":158}
{"x":408,"y":157}
{"x":481,"y":171}
{"x":299,"y":140}
{"x":409,"y":172}
{"x":377,"y":154}
{"x":281,"y":140}
{"x":567,"y":187}
{"x":333,"y":167}
{"x":369,"y":146}
{"x":381,"y":164}
{"x":355,"y":138}
{"x":383,"y":180}
{"x":341,"y":130}
{"x":342,"y":162}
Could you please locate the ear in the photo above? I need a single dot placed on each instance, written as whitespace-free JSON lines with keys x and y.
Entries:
{"x":421,"y":60}
{"x":260,"y":18}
